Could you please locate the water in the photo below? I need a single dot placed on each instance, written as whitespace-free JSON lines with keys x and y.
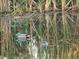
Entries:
{"x":42,"y":36}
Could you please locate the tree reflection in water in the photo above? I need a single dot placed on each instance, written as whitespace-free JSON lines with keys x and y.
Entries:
{"x":60,"y":30}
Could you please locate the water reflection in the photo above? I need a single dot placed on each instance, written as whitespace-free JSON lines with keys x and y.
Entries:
{"x":51,"y":36}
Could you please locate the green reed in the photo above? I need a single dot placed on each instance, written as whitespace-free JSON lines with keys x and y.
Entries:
{"x":24,"y":6}
{"x":58,"y":29}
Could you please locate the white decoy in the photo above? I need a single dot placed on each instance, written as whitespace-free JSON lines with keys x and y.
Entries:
{"x":44,"y":44}
{"x":22,"y":37}
{"x":5,"y":58}
{"x":34,"y":49}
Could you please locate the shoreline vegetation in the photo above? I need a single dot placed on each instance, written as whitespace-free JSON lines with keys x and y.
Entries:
{"x":40,"y":6}
{"x":52,"y":21}
{"x":61,"y":31}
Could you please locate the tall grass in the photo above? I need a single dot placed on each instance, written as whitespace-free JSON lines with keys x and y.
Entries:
{"x":4,"y":5}
{"x":17,"y":6}
{"x":63,"y":5}
{"x":40,"y":5}
{"x":47,"y":4}
{"x":54,"y":4}
{"x":59,"y":29}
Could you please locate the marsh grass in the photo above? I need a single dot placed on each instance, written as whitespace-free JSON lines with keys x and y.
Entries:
{"x":59,"y":29}
{"x":24,"y":6}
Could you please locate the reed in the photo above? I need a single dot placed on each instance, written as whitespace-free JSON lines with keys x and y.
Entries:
{"x":30,"y":5}
{"x":54,"y":5}
{"x":27,"y":5}
{"x":74,"y":3}
{"x":4,"y":5}
{"x":57,"y":28}
{"x":39,"y":6}
{"x":0,"y":5}
{"x":78,"y":4}
{"x":17,"y":6}
{"x":47,"y":5}
{"x":63,"y":5}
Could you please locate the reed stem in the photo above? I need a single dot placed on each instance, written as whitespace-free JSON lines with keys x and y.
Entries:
{"x":63,"y":5}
